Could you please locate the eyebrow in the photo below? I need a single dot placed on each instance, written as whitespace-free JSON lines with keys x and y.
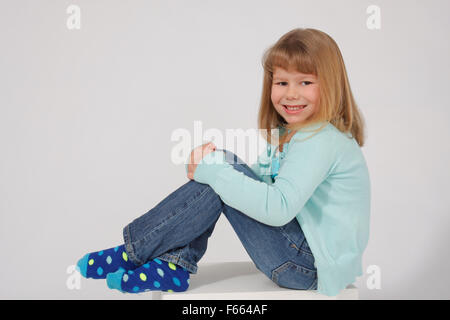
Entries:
{"x":299,"y":76}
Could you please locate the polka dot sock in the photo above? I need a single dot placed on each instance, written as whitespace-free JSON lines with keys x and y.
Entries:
{"x":98,"y":264}
{"x":155,"y":275}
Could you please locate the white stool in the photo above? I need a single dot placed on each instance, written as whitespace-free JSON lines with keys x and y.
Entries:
{"x":243,"y":281}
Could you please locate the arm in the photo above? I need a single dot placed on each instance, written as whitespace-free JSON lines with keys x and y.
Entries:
{"x":307,"y":164}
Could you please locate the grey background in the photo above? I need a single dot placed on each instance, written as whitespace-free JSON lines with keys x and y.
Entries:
{"x":87,"y":115}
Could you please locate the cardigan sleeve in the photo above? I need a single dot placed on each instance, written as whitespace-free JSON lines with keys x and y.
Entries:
{"x":306,"y":165}
{"x":255,"y":168}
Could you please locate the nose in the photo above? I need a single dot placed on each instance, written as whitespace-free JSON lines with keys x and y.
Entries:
{"x":291,"y":93}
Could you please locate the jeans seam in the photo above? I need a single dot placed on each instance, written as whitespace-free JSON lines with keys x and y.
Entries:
{"x":176,"y":259}
{"x":313,"y":284}
{"x":293,"y":245}
{"x":286,"y":265}
{"x":277,"y":271}
{"x":129,"y":247}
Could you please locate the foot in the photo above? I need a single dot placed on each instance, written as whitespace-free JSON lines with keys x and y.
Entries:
{"x":98,"y":264}
{"x":155,"y":275}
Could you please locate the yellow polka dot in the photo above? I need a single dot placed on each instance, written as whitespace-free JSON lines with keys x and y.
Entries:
{"x":172,"y":266}
{"x":143,"y":277}
{"x":124,"y":256}
{"x":91,"y":262}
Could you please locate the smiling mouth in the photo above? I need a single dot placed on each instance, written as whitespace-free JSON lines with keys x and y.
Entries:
{"x":294,"y":108}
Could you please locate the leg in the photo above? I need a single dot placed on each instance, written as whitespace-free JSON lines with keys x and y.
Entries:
{"x":177,"y":229}
{"x":167,"y":242}
{"x":281,"y":253}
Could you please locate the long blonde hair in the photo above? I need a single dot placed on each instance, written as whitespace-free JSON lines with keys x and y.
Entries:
{"x":311,"y":51}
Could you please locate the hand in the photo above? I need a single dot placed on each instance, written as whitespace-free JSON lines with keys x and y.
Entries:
{"x":197,"y":155}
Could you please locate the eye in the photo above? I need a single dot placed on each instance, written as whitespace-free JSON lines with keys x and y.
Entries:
{"x":283,"y":82}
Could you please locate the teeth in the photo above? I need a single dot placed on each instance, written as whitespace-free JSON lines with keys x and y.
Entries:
{"x":294,"y":108}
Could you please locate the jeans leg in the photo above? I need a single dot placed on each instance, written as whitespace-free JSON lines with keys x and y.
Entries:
{"x":176,"y":229}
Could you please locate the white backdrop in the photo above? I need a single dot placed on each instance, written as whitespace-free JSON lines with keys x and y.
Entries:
{"x":87,"y":115}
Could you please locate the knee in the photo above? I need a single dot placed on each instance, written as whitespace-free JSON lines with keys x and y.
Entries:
{"x":232,"y":158}
{"x":238,"y":163}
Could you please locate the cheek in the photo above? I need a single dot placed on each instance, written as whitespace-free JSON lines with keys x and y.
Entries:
{"x":314,"y":95}
{"x":275,"y":96}
{"x":272,"y":95}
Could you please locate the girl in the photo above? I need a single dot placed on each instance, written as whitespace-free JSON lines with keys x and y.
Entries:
{"x":301,"y":211}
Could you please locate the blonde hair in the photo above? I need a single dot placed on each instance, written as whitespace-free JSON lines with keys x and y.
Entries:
{"x":311,"y":51}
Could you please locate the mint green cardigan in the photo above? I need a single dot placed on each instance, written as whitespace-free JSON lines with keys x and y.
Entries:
{"x":323,"y":182}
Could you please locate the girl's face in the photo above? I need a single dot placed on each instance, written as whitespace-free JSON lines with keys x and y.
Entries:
{"x":292,"y":88}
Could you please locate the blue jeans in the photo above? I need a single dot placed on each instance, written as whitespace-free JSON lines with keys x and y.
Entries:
{"x":177,"y":230}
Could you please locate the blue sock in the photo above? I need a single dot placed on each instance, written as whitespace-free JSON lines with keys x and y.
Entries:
{"x":154,"y":275}
{"x":98,"y":264}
